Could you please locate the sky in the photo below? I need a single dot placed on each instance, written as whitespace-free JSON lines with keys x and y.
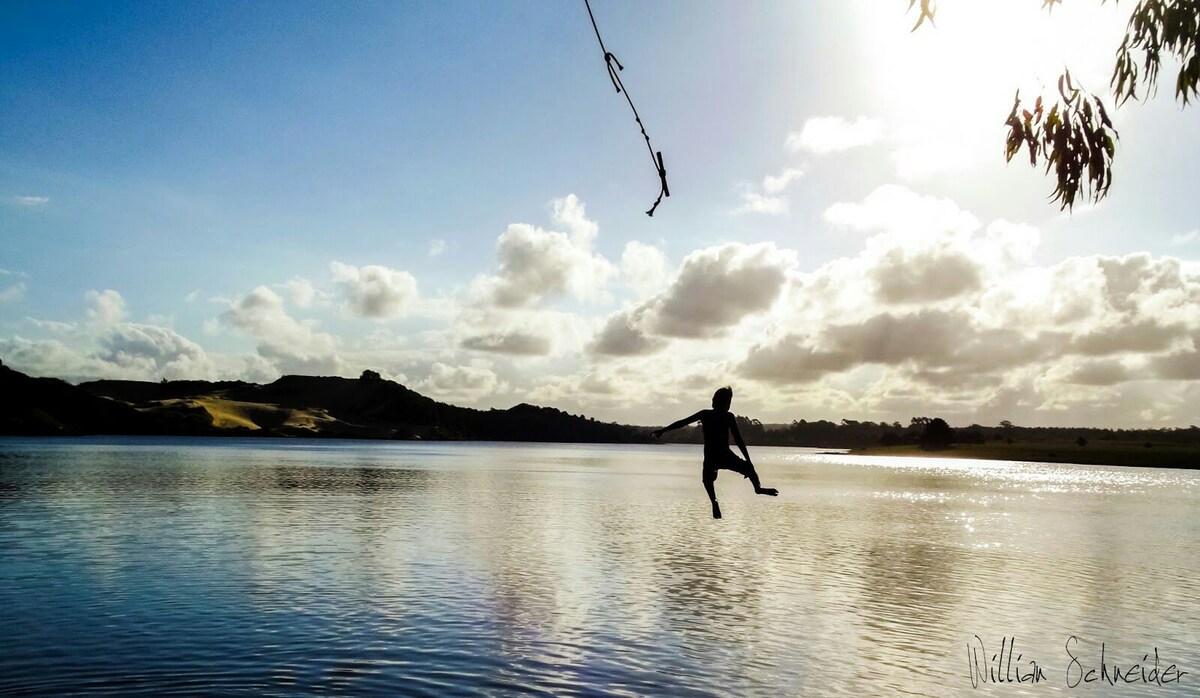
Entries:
{"x":452,"y":194}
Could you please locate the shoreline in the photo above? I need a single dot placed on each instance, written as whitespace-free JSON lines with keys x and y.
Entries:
{"x":1124,"y":454}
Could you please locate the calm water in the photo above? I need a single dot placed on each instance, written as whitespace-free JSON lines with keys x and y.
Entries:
{"x":158,"y":566}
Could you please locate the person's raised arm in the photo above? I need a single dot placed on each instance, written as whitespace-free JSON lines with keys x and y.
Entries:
{"x":675,"y":425}
{"x":737,"y":437}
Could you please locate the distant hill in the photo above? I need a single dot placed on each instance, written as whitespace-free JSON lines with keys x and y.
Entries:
{"x":49,"y":406}
{"x":324,"y":406}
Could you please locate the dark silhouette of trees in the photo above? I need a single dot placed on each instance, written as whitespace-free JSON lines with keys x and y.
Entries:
{"x":1075,"y":136}
{"x":937,"y":435}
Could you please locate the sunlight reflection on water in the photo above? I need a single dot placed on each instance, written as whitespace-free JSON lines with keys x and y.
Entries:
{"x":188,"y":566}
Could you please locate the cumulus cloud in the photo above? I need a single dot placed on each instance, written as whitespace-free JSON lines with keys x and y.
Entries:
{"x":754,"y":202}
{"x":766,"y":198}
{"x":536,"y":264}
{"x":934,"y":343}
{"x":717,"y":287}
{"x":513,"y":342}
{"x":896,"y":209}
{"x":373,"y":291}
{"x":105,"y":307}
{"x":939,"y":309}
{"x":152,"y":351}
{"x":1183,"y":365}
{"x":622,"y":335}
{"x":290,"y":345}
{"x":644,"y":268}
{"x":904,"y":276}
{"x":775,"y":184}
{"x":829,"y":134}
{"x":107,"y":346}
{"x":49,"y":357}
{"x":301,"y":291}
{"x":714,"y":289}
{"x":528,"y":332}
{"x":460,"y":383}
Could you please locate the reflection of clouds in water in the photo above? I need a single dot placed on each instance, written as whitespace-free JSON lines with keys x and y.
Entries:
{"x":319,"y":565}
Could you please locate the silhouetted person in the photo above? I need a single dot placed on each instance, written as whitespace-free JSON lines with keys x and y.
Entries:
{"x":717,"y":424}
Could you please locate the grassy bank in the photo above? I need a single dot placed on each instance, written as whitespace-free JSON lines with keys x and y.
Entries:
{"x":1157,"y":455}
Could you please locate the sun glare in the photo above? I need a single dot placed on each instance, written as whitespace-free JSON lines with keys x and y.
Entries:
{"x":947,"y":83}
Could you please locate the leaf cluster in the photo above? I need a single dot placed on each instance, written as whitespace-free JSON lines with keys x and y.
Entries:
{"x":1159,"y":28}
{"x":1074,"y":137}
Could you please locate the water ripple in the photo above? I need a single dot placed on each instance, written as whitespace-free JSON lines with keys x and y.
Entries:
{"x":185,"y":567}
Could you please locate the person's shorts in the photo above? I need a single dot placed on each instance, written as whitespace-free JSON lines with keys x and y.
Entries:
{"x":726,"y":461}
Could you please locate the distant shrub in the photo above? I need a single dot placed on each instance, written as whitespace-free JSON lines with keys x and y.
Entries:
{"x":891,"y":438}
{"x":1081,"y":442}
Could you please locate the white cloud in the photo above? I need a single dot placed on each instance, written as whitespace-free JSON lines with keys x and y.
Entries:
{"x":717,"y":287}
{"x":290,"y":345}
{"x":939,"y":312}
{"x":899,"y":210}
{"x":523,"y":332}
{"x":460,"y":383}
{"x":536,"y":264}
{"x":437,"y":247}
{"x":829,"y":134}
{"x":31,"y":200}
{"x":302,"y":291}
{"x":150,"y":352}
{"x":753,"y":202}
{"x":768,"y":200}
{"x":105,"y":307}
{"x":775,"y":184}
{"x":373,"y":291}
{"x":13,"y":293}
{"x":1185,"y":238}
{"x":513,"y":342}
{"x":623,"y":335}
{"x":644,"y":268}
{"x":569,"y":212}
{"x":122,"y":350}
{"x":51,"y":326}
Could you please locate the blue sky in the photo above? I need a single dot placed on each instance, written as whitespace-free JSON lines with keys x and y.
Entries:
{"x":310,"y":187}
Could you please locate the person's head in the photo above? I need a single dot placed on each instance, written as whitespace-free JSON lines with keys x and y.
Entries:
{"x":722,"y":398}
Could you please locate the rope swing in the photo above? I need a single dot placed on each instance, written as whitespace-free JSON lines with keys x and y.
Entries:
{"x":656,"y":157}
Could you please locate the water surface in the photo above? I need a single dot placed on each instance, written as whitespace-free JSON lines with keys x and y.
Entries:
{"x":282,"y":567}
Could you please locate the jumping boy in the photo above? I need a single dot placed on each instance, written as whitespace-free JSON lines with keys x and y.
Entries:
{"x":717,"y":424}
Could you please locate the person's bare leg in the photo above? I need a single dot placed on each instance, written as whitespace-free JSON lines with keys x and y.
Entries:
{"x":758,"y":488}
{"x":712,"y":495}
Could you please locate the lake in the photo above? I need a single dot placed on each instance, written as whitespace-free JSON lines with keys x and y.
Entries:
{"x":162,"y":566}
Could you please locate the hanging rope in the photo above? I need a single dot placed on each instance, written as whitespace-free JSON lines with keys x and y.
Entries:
{"x":656,"y":157}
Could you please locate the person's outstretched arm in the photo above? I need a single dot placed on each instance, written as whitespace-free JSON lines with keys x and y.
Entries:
{"x":737,"y":437}
{"x":675,"y":425}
